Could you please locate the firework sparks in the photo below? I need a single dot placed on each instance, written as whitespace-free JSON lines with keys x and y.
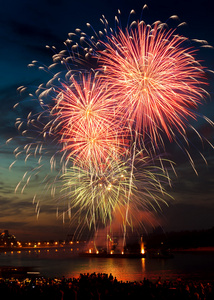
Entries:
{"x":97,"y":194}
{"x":84,"y":115}
{"x":76,"y":119}
{"x":151,"y":72}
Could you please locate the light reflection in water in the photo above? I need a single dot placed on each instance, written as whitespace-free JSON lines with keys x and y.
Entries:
{"x":143,"y":264}
{"x":121,"y":268}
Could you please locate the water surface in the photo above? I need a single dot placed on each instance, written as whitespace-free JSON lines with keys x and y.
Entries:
{"x":66,"y":262}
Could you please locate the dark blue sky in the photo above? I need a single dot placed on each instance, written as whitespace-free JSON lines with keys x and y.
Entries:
{"x":26,"y":27}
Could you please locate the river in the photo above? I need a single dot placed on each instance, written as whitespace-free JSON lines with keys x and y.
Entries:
{"x":66,"y":262}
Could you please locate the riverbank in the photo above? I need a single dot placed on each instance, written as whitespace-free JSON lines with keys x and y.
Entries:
{"x":198,"y":249}
{"x":38,"y":248}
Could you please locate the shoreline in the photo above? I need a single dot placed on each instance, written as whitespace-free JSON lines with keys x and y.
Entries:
{"x":198,"y":249}
{"x":17,"y":249}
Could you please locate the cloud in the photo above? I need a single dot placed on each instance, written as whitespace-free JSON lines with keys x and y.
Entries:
{"x":14,"y":206}
{"x":10,"y":225}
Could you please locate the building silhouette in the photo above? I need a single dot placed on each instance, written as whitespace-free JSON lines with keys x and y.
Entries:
{"x":7,"y":239}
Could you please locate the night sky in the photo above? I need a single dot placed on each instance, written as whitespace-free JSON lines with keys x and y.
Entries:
{"x":26,"y":27}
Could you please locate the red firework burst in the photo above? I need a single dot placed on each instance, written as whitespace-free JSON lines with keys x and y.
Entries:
{"x":86,"y":121}
{"x":92,"y":143}
{"x":155,"y":79}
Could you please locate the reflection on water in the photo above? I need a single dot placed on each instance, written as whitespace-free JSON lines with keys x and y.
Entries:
{"x":143,"y":262}
{"x":66,"y":262}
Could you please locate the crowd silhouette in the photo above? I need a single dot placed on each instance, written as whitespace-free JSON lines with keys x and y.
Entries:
{"x":102,"y":286}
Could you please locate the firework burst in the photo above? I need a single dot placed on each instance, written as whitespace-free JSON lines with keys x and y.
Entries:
{"x":86,"y":122}
{"x":114,"y":187}
{"x":150,"y":72}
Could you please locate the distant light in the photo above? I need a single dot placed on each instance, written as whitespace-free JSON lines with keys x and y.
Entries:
{"x":33,"y":273}
{"x":143,"y":251}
